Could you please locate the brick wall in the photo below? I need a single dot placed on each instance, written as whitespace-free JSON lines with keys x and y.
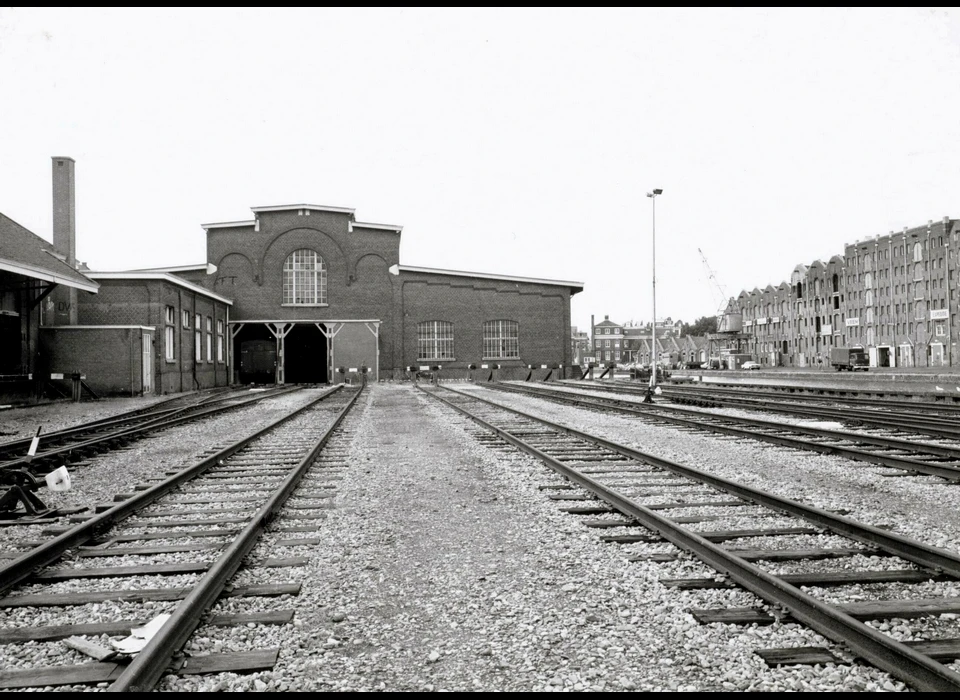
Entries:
{"x":541,"y":311}
{"x":142,"y":302}
{"x":359,"y":287}
{"x":109,"y":357}
{"x":250,"y":266}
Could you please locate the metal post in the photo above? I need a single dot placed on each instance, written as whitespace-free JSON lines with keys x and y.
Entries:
{"x":653,"y":325}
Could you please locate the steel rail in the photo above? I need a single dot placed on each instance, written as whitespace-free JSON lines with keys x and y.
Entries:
{"x":126,"y":416}
{"x":949,"y":429}
{"x":23,"y":566}
{"x":901,"y":661}
{"x":937,"y":559}
{"x":930,"y":424}
{"x":165,"y":421}
{"x":647,"y":409}
{"x":656,"y":413}
{"x":753,"y":391}
{"x":151,"y":663}
{"x":817,"y":392}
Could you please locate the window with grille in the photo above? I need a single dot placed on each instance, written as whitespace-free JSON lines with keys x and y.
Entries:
{"x":304,"y":278}
{"x":186,"y":319}
{"x":170,"y":316}
{"x":435,"y":340}
{"x":501,"y":340}
{"x":219,"y":341}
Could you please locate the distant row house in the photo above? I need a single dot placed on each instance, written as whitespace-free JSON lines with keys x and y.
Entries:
{"x":893,"y":295}
{"x":579,"y":345}
{"x":620,"y":344}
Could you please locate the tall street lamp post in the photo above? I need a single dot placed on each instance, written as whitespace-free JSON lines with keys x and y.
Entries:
{"x":648,"y":398}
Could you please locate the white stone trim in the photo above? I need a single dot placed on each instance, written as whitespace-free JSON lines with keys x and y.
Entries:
{"x":229,"y":224}
{"x":312,"y":207}
{"x":378,"y":227}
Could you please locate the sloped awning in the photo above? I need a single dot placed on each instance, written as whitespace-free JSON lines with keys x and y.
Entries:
{"x":25,"y":253}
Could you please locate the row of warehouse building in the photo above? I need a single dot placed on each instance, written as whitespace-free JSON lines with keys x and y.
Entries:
{"x":895,"y":296}
{"x":297,"y":293}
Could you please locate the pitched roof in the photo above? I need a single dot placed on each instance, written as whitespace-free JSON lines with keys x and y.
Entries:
{"x":25,"y":253}
{"x":164,"y":276}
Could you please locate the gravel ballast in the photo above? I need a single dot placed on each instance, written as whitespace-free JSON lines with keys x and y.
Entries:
{"x":443,"y":567}
{"x":120,"y":471}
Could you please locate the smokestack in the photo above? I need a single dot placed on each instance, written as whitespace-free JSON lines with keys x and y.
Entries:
{"x":64,"y":299}
{"x":65,"y":209}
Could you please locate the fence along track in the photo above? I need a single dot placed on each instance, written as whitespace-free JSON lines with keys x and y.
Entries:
{"x":901,"y":661}
{"x":152,"y":662}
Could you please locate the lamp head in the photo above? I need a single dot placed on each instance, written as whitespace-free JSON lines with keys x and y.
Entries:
{"x":658,"y":191}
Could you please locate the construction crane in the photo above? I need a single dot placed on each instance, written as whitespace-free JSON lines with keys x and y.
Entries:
{"x":716,"y":284}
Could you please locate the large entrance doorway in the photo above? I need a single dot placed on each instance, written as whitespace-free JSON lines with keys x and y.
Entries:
{"x":255,"y":350}
{"x":305,"y":355}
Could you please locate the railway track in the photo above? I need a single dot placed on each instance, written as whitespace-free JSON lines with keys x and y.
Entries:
{"x":54,"y":445}
{"x":745,"y":395}
{"x":191,"y":530}
{"x":840,"y":407}
{"x":19,"y":470}
{"x":642,"y":498}
{"x":896,"y":441}
{"x":834,"y":389}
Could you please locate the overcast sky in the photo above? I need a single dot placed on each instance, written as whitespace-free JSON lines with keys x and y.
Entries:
{"x":519,"y":142}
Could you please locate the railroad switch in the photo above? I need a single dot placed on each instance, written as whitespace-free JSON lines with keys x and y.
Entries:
{"x":13,"y":496}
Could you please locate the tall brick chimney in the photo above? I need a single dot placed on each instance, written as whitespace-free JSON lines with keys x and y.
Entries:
{"x":65,"y":208}
{"x":65,"y":235}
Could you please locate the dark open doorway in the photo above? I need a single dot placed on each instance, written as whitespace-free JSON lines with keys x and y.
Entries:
{"x":255,"y":353}
{"x":305,"y":355}
{"x":883,"y":357}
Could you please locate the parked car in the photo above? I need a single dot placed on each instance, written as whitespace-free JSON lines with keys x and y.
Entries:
{"x":750,"y":365}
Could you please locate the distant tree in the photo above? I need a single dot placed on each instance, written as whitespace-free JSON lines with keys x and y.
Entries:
{"x":702,"y":326}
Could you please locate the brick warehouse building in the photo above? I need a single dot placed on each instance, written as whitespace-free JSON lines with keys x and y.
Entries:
{"x":893,"y":295}
{"x":145,"y":332}
{"x":314,"y":290}
{"x":142,"y":332}
{"x":290,"y":296}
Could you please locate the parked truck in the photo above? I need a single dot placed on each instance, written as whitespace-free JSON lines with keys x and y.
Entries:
{"x":850,"y":359}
